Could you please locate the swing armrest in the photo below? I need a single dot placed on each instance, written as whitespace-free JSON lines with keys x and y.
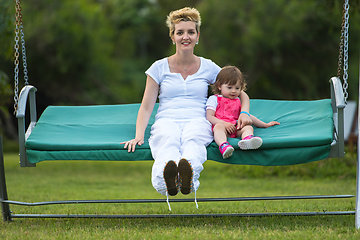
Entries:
{"x":338,"y":105}
{"x":27,"y":92}
{"x":338,"y":93}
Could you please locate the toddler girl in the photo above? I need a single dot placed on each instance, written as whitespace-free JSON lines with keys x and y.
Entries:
{"x":223,"y":111}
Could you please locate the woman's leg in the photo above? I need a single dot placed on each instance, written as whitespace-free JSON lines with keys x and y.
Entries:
{"x":165,"y":146}
{"x":196,"y":135}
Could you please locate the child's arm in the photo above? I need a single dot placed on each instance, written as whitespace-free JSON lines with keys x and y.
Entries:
{"x":244,"y":119}
{"x":210,"y":116}
{"x":260,"y":124}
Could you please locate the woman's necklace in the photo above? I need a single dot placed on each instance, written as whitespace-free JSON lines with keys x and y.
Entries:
{"x":186,"y":68}
{"x":183,"y":68}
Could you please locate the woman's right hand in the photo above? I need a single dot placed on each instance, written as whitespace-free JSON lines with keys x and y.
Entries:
{"x":130,"y":145}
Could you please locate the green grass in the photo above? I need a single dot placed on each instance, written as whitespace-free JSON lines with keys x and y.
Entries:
{"x":130,"y":180}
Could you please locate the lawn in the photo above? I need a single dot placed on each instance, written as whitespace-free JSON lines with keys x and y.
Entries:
{"x":85,"y":180}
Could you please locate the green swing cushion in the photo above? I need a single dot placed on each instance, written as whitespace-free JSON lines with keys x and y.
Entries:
{"x":95,"y":133}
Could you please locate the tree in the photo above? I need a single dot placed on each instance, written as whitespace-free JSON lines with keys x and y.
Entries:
{"x":96,"y":52}
{"x":6,"y":124}
{"x":288,"y":49}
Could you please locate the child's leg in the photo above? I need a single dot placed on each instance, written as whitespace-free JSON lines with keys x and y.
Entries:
{"x":220,"y":137}
{"x":248,"y":130}
{"x":248,"y":140}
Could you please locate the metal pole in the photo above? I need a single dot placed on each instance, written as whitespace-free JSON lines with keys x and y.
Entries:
{"x":211,"y":215}
{"x":357,"y":207}
{"x":3,"y":193}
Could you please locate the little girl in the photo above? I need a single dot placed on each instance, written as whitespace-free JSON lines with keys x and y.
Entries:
{"x":223,"y":111}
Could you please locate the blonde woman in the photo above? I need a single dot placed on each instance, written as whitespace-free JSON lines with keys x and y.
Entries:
{"x":181,"y":132}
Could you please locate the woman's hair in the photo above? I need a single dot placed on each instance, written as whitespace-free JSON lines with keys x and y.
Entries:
{"x":230,"y":75}
{"x":184,"y":14}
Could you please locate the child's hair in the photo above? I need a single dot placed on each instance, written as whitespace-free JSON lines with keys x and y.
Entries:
{"x":230,"y":75}
{"x":184,"y":14}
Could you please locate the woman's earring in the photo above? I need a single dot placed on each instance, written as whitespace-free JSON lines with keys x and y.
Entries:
{"x":197,"y":42}
{"x":173,"y":43}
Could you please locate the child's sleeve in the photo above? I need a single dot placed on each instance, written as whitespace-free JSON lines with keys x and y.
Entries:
{"x":211,"y":103}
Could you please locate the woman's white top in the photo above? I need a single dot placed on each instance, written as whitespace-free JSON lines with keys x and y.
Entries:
{"x":179,"y":98}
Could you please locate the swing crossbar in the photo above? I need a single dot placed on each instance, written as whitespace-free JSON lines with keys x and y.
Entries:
{"x":122,"y":201}
{"x":238,"y":199}
{"x":184,"y":215}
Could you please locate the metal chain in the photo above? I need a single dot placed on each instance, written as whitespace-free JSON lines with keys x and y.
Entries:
{"x":343,"y":49}
{"x":346,"y":48}
{"x":26,"y":78}
{"x":19,"y":29}
{"x":341,"y":46}
{"x":18,"y":19}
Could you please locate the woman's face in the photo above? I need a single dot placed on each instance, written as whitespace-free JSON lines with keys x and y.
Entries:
{"x":185,"y":35}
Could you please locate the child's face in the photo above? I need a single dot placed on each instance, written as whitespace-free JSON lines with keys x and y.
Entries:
{"x":230,"y":91}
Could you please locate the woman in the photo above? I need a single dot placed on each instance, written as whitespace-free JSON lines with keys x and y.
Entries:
{"x":181,"y":132}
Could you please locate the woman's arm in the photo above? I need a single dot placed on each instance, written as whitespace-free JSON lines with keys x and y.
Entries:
{"x":244,"y":119}
{"x":145,"y":110}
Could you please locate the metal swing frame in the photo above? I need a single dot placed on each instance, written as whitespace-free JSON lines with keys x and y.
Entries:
{"x":28,"y":92}
{"x":337,"y":148}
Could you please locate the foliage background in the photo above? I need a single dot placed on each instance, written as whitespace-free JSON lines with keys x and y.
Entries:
{"x":96,"y":51}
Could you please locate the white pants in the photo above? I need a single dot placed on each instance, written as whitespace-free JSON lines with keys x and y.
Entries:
{"x":174,"y":140}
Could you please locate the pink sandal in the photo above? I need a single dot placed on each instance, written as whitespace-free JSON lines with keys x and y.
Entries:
{"x":226,"y":150}
{"x":250,"y":142}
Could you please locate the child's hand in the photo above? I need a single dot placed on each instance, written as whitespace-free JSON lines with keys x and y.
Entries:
{"x":230,"y":128}
{"x":272,"y":123}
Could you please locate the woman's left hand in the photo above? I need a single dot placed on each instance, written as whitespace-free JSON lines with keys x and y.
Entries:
{"x":243,"y":121}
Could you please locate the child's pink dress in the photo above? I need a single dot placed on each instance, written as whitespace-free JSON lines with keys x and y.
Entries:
{"x":228,"y":110}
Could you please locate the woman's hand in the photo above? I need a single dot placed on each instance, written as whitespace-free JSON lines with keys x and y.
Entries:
{"x":244,"y":120}
{"x":130,"y":145}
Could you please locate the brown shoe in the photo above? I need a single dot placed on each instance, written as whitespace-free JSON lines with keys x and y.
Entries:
{"x":171,"y":178}
{"x":186,"y":176}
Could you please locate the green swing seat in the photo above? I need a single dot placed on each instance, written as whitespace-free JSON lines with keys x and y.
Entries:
{"x":95,"y":132}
